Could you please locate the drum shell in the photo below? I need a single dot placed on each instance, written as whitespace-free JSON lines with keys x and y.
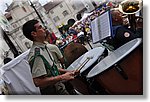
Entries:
{"x":73,"y":51}
{"x":81,"y":85}
{"x":114,"y":83}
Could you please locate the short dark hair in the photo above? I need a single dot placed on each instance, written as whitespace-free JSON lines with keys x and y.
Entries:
{"x":70,"y":22}
{"x":28,"y":27}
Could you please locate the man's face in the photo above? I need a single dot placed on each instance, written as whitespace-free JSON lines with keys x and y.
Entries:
{"x":117,"y":18}
{"x":40,"y":31}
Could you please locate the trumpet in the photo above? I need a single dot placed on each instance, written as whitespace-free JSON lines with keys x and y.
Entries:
{"x":130,"y":6}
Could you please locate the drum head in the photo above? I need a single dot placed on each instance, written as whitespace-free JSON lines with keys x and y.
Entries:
{"x":114,"y":57}
{"x":94,"y":54}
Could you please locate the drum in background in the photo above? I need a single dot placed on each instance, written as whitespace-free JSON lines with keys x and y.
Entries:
{"x":126,"y":77}
{"x":73,"y":51}
{"x":80,"y":83}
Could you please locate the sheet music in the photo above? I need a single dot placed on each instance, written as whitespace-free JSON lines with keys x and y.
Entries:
{"x":95,"y":30}
{"x":101,"y":27}
{"x":105,"y":26}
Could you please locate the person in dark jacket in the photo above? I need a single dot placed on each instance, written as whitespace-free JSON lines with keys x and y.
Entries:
{"x":122,"y":33}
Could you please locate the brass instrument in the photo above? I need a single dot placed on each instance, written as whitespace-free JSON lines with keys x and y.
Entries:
{"x":130,"y":6}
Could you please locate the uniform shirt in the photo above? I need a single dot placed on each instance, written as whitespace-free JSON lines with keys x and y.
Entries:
{"x":38,"y":68}
{"x":55,"y":53}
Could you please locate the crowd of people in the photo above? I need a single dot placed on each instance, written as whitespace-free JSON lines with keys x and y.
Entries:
{"x":81,"y":29}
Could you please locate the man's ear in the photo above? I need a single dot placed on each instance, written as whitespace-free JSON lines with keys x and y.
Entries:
{"x":33,"y":33}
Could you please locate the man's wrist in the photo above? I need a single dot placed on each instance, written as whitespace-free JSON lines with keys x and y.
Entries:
{"x":60,"y":77}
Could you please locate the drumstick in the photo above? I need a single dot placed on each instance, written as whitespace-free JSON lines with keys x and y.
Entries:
{"x":84,"y":63}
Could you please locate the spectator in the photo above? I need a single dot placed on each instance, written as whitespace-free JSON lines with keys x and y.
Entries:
{"x":51,"y":37}
{"x":80,"y":35}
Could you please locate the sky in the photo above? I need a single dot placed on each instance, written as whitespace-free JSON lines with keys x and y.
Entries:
{"x":3,"y":4}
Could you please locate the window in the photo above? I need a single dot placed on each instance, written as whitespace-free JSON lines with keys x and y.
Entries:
{"x":61,"y":5}
{"x":51,"y":11}
{"x":27,"y":45}
{"x":56,"y":18}
{"x":24,"y":9}
{"x":9,"y":18}
{"x":65,"y":13}
{"x":14,"y":25}
{"x":46,"y":22}
{"x":41,"y":14}
{"x":27,"y":18}
{"x":21,"y":36}
{"x":74,"y":7}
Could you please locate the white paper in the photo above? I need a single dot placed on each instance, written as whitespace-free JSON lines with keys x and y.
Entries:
{"x":101,"y":27}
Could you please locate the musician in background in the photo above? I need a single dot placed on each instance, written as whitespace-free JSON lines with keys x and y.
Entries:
{"x":121,"y":31}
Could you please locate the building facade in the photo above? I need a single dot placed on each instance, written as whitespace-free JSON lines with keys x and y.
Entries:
{"x":54,"y":14}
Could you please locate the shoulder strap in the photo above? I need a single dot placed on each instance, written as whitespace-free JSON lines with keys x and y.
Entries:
{"x":53,"y":59}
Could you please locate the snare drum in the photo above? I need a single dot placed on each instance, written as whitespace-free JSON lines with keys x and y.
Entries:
{"x":80,"y":83}
{"x":128,"y":78}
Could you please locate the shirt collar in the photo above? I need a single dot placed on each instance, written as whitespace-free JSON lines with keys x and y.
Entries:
{"x":39,"y":44}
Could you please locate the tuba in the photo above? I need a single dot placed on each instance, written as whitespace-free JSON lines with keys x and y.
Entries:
{"x":130,"y":6}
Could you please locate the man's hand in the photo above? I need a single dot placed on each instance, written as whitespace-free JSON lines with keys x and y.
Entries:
{"x":76,"y":72}
{"x":67,"y":76}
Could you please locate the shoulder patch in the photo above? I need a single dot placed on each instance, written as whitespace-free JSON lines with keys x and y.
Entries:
{"x":37,"y":51}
